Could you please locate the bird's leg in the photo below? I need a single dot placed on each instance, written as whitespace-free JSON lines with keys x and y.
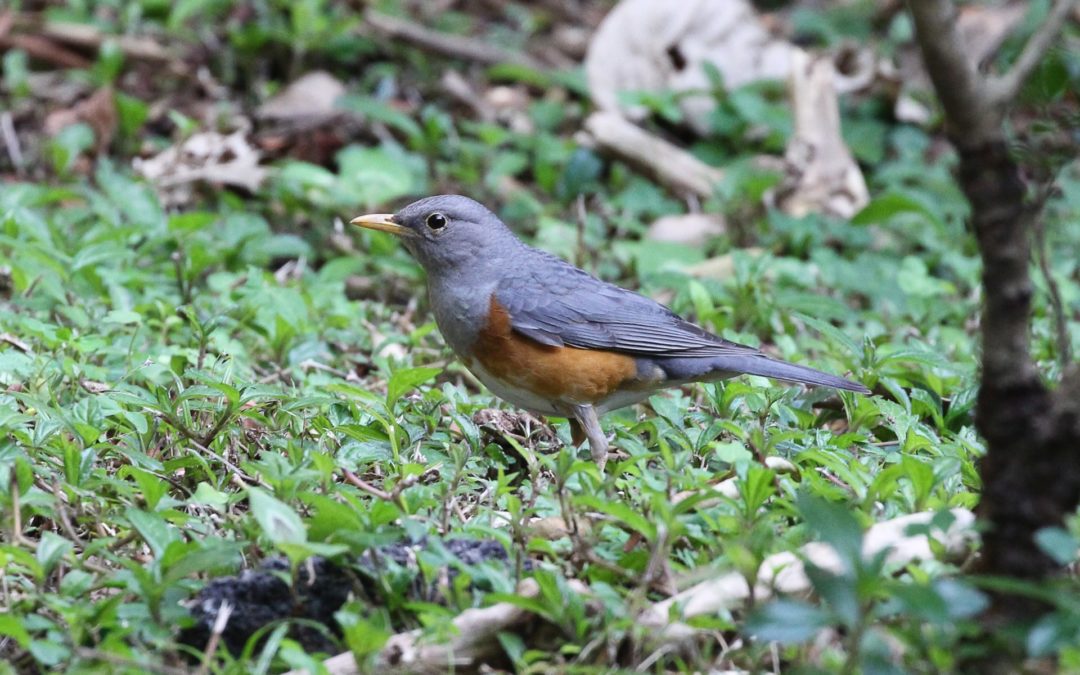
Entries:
{"x":587,"y":419}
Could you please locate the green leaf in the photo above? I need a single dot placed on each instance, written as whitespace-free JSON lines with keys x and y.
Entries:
{"x":11,"y":626}
{"x":1050,"y":634}
{"x":832,"y":332}
{"x":121,"y":316}
{"x":786,"y":622}
{"x":884,"y":207}
{"x":280,"y":523}
{"x":915,"y":280}
{"x":153,"y":487}
{"x":839,"y":591}
{"x":731,"y":452}
{"x":373,"y":176}
{"x":155,"y":531}
{"x":363,"y":635}
{"x":654,"y":257}
{"x":921,"y":475}
{"x":835,"y":524}
{"x":756,"y":487}
{"x":68,"y":144}
{"x":135,"y":200}
{"x":621,"y":512}
{"x":76,"y":583}
{"x":49,"y":652}
{"x":961,"y":600}
{"x":210,"y":496}
{"x":404,"y":380}
{"x":331,"y":516}
{"x":192,"y":221}
{"x":215,"y":556}
{"x":1057,"y":543}
{"x":270,"y":648}
{"x":381,"y":111}
{"x":51,"y":549}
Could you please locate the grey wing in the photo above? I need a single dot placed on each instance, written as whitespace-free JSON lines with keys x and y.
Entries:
{"x":566,"y":306}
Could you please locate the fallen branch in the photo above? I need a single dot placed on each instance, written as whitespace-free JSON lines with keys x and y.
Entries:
{"x":1004,"y":88}
{"x":675,"y":168}
{"x":11,"y":141}
{"x":45,"y":50}
{"x":454,"y":46}
{"x":393,"y":496}
{"x":83,"y":35}
{"x":42,"y":33}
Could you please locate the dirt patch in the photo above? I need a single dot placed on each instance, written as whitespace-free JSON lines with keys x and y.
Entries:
{"x":263,"y":596}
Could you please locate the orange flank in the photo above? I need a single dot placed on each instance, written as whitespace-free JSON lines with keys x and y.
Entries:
{"x":558,"y":373}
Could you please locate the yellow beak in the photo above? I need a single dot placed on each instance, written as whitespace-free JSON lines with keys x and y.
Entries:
{"x":384,"y":222}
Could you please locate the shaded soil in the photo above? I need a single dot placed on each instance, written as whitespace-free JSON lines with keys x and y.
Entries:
{"x":259,"y":597}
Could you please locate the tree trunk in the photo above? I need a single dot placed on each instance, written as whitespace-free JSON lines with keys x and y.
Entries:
{"x":1031,"y":472}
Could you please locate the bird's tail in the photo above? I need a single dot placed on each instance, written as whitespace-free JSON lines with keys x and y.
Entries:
{"x":728,"y":365}
{"x":790,"y":372}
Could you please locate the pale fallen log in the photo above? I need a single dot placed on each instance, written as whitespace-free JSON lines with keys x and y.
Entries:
{"x":786,"y":573}
{"x":667,"y":163}
{"x":475,"y":642}
{"x":644,"y":45}
{"x":821,"y":175}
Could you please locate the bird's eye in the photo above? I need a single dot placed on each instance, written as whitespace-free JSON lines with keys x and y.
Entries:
{"x":436,"y":221}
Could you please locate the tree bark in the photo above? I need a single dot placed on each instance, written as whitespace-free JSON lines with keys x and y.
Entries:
{"x":1031,"y":473}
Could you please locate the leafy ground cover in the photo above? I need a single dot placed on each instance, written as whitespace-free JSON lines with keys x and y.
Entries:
{"x":189,"y":388}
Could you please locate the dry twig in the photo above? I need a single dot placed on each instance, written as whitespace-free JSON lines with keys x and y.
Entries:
{"x":454,"y":46}
{"x":220,"y":622}
{"x":11,"y":141}
{"x":1001,"y":90}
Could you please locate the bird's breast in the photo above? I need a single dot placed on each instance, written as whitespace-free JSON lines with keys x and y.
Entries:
{"x":526,"y":372}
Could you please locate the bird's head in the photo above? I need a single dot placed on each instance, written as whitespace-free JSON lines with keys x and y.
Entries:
{"x":445,"y":232}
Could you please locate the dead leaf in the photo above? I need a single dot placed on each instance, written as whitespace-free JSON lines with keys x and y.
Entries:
{"x":910,"y":111}
{"x":720,"y":267}
{"x":692,"y":229}
{"x":497,"y":423}
{"x":571,"y":39}
{"x":98,"y":112}
{"x":94,"y":387}
{"x":510,"y":106}
{"x":554,"y":527}
{"x":309,"y":99}
{"x":85,"y":35}
{"x":208,"y":157}
{"x":393,"y":351}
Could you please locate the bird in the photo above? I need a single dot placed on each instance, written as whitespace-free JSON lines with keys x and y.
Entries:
{"x":552,"y":339}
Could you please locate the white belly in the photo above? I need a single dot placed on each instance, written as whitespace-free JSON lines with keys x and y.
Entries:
{"x":522,"y":398}
{"x":539,"y":405}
